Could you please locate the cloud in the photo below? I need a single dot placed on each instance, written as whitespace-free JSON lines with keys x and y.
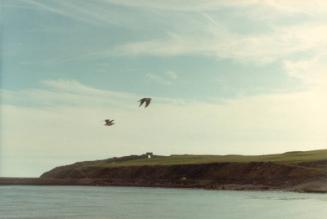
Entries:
{"x":166,"y":78}
{"x":158,"y":79}
{"x":300,"y":6}
{"x":205,"y":5}
{"x":69,"y":128}
{"x":313,"y":74}
{"x":97,"y":12}
{"x":265,"y":47}
{"x":172,"y":75}
{"x":178,"y":5}
{"x":60,"y":8}
{"x":197,"y":28}
{"x":69,"y":93}
{"x":312,"y":71}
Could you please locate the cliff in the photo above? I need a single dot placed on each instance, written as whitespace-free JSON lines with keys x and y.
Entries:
{"x":295,"y":171}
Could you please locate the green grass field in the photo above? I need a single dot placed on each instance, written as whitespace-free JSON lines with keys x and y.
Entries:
{"x":134,"y":160}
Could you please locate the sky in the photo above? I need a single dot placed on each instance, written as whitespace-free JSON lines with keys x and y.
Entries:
{"x":226,"y":77}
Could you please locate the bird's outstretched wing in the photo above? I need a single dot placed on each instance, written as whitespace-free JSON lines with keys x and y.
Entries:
{"x":141,"y":102}
{"x":147,"y":103}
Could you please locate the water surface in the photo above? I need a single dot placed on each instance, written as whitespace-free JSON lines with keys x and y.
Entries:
{"x":155,"y":203}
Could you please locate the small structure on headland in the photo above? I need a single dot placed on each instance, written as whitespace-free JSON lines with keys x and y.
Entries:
{"x":149,"y":155}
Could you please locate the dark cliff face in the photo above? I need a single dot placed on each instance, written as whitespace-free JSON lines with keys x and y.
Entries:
{"x":278,"y":175}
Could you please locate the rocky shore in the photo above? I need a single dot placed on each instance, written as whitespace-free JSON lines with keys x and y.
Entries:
{"x":255,"y":176}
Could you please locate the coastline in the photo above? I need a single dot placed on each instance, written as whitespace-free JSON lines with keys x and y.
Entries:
{"x":311,"y":187}
{"x":291,"y":171}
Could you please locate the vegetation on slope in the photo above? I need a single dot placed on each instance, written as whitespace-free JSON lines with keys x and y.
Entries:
{"x":300,"y":171}
{"x":291,"y":158}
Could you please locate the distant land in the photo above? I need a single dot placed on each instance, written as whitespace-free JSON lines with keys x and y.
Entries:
{"x":301,"y":171}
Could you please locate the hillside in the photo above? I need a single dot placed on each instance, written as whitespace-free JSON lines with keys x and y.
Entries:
{"x":300,"y":171}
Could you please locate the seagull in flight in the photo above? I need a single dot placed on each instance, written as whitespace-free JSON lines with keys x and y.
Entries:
{"x":109,"y":122}
{"x":145,"y":100}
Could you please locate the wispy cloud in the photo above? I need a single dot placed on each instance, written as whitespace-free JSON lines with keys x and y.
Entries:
{"x":166,"y":78}
{"x":192,"y":29}
{"x":312,"y":72}
{"x":263,"y":47}
{"x":97,"y":12}
{"x":205,"y":5}
{"x":104,"y":11}
{"x":59,"y":8}
{"x":171,"y":74}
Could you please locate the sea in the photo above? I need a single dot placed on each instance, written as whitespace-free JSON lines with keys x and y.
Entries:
{"x":78,"y":202}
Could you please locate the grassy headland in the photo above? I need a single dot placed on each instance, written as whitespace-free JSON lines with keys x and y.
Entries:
{"x":304,"y":171}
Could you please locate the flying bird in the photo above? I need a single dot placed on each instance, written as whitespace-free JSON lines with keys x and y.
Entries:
{"x":109,"y":122}
{"x":146,"y":100}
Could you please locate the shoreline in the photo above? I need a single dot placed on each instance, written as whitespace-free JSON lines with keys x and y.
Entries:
{"x":290,"y":171}
{"x":312,"y":187}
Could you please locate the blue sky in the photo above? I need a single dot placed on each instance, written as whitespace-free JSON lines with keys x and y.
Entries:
{"x":236,"y":76}
{"x":43,"y":40}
